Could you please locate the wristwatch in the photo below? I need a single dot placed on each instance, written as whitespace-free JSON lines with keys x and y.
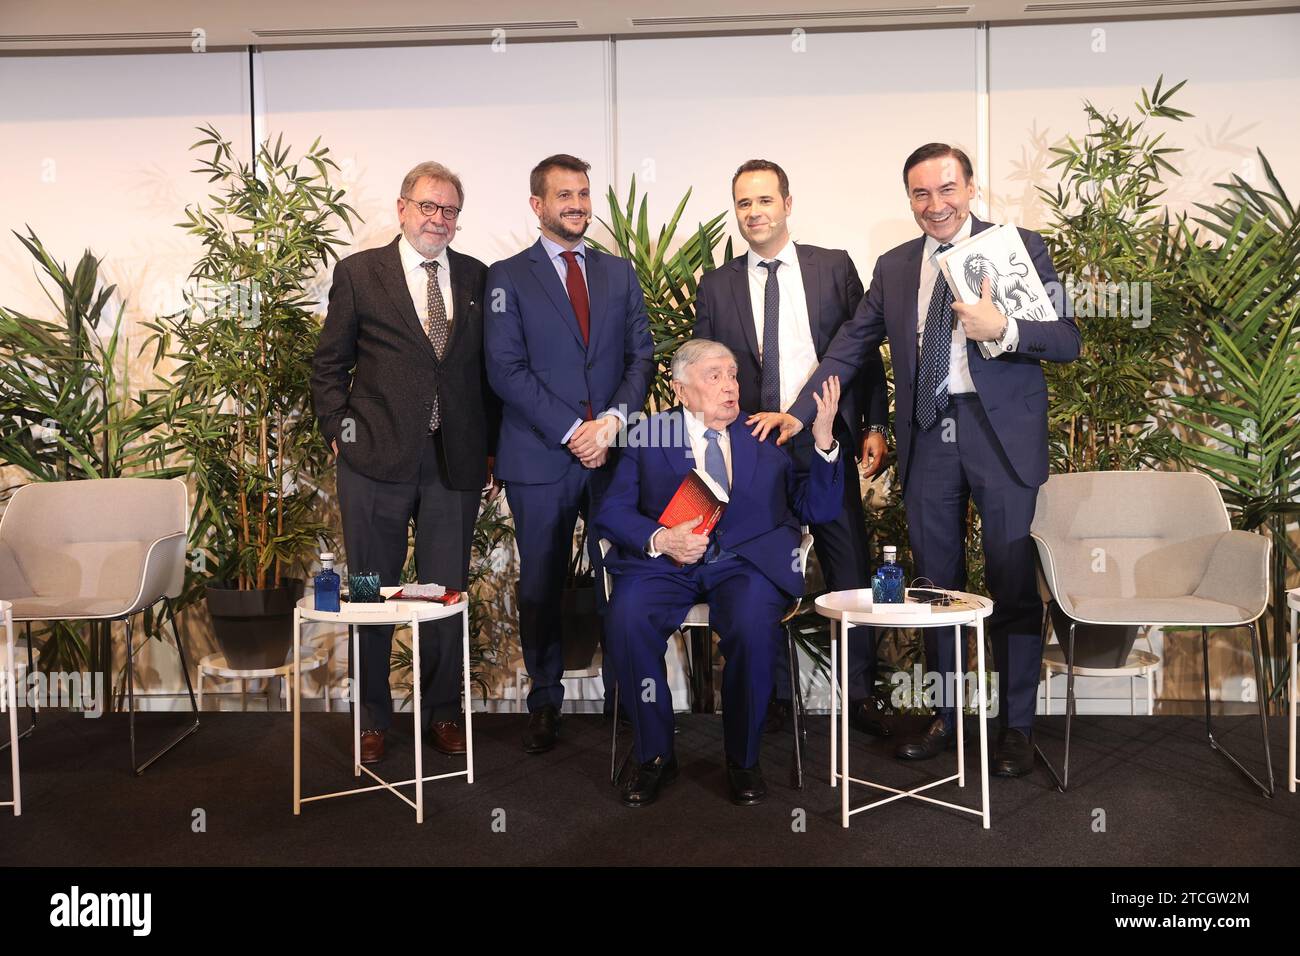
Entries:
{"x":876,"y":429}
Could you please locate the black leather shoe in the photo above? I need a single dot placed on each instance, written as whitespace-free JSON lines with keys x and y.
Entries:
{"x":543,"y":728}
{"x":1014,"y":756}
{"x":746,"y":784}
{"x":778,"y":712}
{"x":869,"y":716}
{"x":650,"y":777}
{"x":936,"y":739}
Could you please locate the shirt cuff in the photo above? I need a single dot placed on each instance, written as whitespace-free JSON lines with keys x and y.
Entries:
{"x":650,"y":545}
{"x":616,"y":413}
{"x":1009,"y":341}
{"x":831,"y":455}
{"x":572,"y":428}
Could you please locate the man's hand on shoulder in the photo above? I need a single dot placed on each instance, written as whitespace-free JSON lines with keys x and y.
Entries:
{"x":764,"y":422}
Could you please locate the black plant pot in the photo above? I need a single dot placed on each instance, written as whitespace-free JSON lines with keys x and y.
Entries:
{"x":254,"y":628}
{"x":1095,"y":645}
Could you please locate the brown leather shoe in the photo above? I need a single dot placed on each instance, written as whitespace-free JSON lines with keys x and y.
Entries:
{"x":372,"y":746}
{"x":447,"y":737}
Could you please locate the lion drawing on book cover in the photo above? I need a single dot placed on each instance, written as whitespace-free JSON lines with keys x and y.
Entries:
{"x":1009,"y":292}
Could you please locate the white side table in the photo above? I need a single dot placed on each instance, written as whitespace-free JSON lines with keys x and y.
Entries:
{"x":216,"y":666}
{"x":1143,"y":664}
{"x":388,"y":612}
{"x":1293,"y":602}
{"x":9,"y":700}
{"x":846,"y":609}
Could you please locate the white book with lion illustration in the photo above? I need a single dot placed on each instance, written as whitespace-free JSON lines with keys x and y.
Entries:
{"x":998,"y":254}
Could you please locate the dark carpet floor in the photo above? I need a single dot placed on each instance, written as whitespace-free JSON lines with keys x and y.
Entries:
{"x":1163,"y":796}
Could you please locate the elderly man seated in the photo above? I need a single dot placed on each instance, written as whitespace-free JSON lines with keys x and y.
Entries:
{"x":745,"y":569}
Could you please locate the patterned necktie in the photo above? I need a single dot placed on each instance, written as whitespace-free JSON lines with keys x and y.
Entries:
{"x":770,"y":384}
{"x":577,"y":288}
{"x":936,"y":352}
{"x":714,"y":464}
{"x":437,"y":328}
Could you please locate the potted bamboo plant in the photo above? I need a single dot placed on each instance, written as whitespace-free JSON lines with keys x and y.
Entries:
{"x":239,"y":397}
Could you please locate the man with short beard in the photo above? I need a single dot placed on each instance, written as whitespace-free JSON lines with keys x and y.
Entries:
{"x":401,"y":395}
{"x":569,"y":353}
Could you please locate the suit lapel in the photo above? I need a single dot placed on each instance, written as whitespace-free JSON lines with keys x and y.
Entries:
{"x":812,"y":294}
{"x":675,"y":443}
{"x":544,"y":272}
{"x":906,"y":350}
{"x":744,"y":455}
{"x":739,"y":282}
{"x":461,"y":297}
{"x":597,"y":295}
{"x":388,"y":272}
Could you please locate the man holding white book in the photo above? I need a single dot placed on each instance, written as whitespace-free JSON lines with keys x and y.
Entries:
{"x":968,"y":427}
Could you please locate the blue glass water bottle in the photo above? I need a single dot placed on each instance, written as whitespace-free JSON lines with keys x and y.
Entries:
{"x":887,"y":585}
{"x":327,"y":584}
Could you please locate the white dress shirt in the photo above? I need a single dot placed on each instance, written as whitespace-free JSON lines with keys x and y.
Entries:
{"x":417,"y":279}
{"x":798,"y":352}
{"x":959,"y":377}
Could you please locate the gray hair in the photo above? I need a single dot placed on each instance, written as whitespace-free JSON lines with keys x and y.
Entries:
{"x":696,"y":350}
{"x":433,"y":171}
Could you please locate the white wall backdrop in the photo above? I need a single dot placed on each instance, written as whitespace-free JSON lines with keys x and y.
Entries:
{"x":488,"y":115}
{"x":94,"y":149}
{"x":1243,"y":85}
{"x":94,"y":152}
{"x":839,"y":112}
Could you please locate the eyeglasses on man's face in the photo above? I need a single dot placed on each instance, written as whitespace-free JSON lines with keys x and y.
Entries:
{"x":428,"y":208}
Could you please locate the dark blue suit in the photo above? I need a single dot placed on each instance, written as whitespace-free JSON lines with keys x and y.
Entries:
{"x":547,"y":378}
{"x":747,"y":590}
{"x":998,"y":458}
{"x":832,"y":289}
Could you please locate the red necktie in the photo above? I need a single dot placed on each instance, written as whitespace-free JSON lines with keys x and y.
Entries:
{"x":577,"y":287}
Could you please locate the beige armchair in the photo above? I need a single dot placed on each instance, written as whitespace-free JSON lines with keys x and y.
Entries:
{"x":1150,"y":548}
{"x":98,"y":550}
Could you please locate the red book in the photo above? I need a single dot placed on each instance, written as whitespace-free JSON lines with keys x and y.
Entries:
{"x":698,"y":494}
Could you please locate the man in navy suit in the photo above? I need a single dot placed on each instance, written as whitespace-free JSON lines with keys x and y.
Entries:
{"x":782,"y":309}
{"x":746,"y":569}
{"x":569,"y":352}
{"x":968,"y":427}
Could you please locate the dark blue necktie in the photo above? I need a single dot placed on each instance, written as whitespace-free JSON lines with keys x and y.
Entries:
{"x":936,"y":351}
{"x":714,"y":464}
{"x":770,"y":388}
{"x":716,"y":467}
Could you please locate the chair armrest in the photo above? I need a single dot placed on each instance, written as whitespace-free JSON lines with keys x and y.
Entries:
{"x":1238,"y":572}
{"x":605,"y":582}
{"x":1047,"y":570}
{"x":805,"y":545}
{"x":161,"y":561}
{"x":13,"y":583}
